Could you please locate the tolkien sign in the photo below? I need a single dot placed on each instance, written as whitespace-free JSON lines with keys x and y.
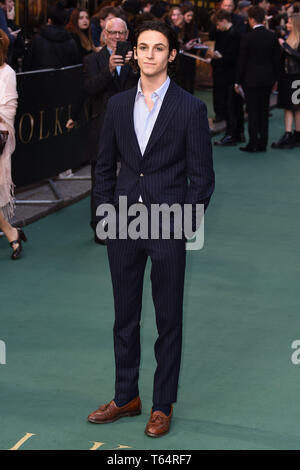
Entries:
{"x":44,"y":147}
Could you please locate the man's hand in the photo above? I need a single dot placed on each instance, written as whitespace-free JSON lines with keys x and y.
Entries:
{"x":237,"y":88}
{"x":128,"y":56}
{"x":70,"y":124}
{"x":15,"y":33}
{"x":189,"y":45}
{"x":281,"y":41}
{"x":114,"y":61}
{"x":217,"y":55}
{"x":275,"y":86}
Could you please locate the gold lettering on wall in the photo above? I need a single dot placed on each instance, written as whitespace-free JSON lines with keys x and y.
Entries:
{"x":57,"y":122}
{"x":41,"y":126}
{"x":120,"y":446}
{"x":97,"y":445}
{"x":31,"y":121}
{"x":45,"y":124}
{"x":27,"y":436}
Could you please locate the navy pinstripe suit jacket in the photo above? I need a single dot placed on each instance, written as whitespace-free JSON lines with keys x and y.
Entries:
{"x":177,"y":165}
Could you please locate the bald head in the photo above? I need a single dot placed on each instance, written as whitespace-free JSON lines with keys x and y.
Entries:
{"x":116,"y":24}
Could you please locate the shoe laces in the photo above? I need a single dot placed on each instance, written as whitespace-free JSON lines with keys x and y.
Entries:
{"x":104,"y":407}
{"x":157,"y":417}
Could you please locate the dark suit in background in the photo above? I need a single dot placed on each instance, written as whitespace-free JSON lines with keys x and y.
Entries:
{"x":224,"y":70}
{"x":176,"y":167}
{"x":219,"y":100}
{"x":257,"y":71}
{"x":100,"y":84}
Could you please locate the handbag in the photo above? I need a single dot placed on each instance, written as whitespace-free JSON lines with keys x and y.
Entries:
{"x":3,"y":140}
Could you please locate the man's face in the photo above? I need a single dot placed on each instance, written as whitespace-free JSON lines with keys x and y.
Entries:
{"x":264,"y":4}
{"x":227,"y":5}
{"x":115,"y":31}
{"x":221,"y":25}
{"x":152,"y":53}
{"x":110,"y":16}
{"x":244,"y":12}
{"x":175,"y":15}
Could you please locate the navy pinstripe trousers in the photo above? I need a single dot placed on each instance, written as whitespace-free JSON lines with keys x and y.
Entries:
{"x":127,"y":260}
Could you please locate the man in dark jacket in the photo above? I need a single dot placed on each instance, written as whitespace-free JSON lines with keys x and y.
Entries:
{"x":224,"y":69}
{"x":105,"y":74}
{"x":257,"y":71}
{"x":214,"y":35}
{"x":53,"y":47}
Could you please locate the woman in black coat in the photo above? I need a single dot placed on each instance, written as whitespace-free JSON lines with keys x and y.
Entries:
{"x":187,"y":33}
{"x":290,"y":73}
{"x":53,"y":46}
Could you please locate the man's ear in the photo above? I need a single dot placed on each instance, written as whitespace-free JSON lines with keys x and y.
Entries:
{"x":134,"y":53}
{"x":172,"y":55}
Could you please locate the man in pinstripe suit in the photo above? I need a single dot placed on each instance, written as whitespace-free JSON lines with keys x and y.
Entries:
{"x":161,"y":135}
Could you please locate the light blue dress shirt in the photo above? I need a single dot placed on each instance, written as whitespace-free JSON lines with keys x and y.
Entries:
{"x":144,"y":119}
{"x":118,"y":67}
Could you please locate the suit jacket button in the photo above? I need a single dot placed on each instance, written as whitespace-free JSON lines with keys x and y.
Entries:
{"x":142,"y":174}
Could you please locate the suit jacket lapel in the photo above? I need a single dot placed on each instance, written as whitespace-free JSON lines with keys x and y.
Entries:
{"x":166,"y":112}
{"x":103,"y":58}
{"x":123,"y":74}
{"x":130,"y":123}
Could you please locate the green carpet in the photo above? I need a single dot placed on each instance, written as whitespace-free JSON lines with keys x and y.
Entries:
{"x":205,"y":94}
{"x":238,"y":387}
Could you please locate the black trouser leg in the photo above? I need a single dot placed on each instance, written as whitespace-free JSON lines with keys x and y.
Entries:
{"x":127,"y":260}
{"x":218,"y":100}
{"x":253,"y":106}
{"x":238,"y":106}
{"x":167,"y":277}
{"x":230,"y":117}
{"x":264,"y":101}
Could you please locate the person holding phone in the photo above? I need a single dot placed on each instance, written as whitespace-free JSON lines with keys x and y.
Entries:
{"x":187,"y":34}
{"x":105,"y":74}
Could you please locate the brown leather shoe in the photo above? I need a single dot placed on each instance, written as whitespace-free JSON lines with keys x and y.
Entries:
{"x":158,"y":424}
{"x":111,"y":412}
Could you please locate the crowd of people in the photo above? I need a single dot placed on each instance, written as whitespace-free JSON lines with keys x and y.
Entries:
{"x":246,"y":68}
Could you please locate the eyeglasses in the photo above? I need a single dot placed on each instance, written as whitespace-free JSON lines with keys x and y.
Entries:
{"x":114,"y":33}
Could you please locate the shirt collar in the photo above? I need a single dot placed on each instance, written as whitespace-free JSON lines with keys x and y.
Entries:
{"x":160,"y":92}
{"x":258,"y":26}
